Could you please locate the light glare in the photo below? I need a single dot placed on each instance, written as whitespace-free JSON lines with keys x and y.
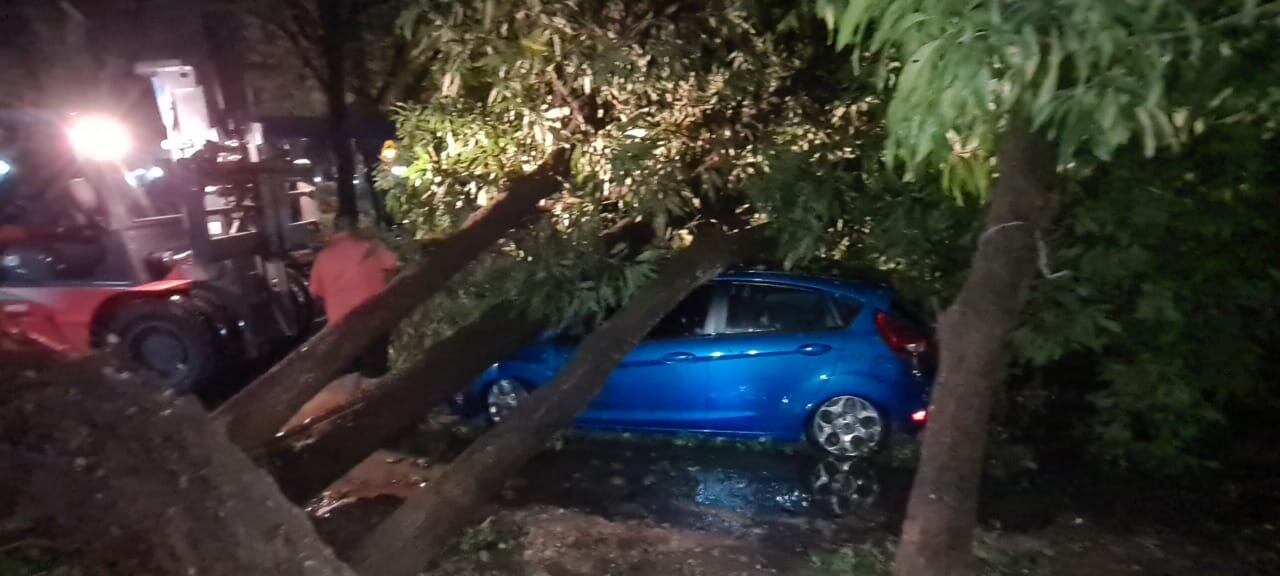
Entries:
{"x":100,"y":138}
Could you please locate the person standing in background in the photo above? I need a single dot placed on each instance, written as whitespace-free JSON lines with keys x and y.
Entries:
{"x":352,"y":268}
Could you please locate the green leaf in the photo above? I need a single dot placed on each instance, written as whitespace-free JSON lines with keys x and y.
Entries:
{"x":1049,"y":85}
{"x":1148,"y":131}
{"x":851,"y":22}
{"x":1110,"y":325}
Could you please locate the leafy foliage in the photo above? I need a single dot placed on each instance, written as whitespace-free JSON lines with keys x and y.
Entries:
{"x":676,"y":115}
{"x":1162,"y":252}
{"x":1172,"y":288}
{"x":877,"y":560}
{"x":1091,"y":74}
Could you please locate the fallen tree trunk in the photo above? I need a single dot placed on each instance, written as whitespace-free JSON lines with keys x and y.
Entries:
{"x":254,"y":416}
{"x":306,"y":460}
{"x":131,"y":480}
{"x":416,"y":533}
{"x":937,"y":534}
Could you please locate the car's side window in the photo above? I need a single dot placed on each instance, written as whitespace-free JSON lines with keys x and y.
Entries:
{"x":688,"y":318}
{"x":762,"y":308}
{"x":847,"y":309}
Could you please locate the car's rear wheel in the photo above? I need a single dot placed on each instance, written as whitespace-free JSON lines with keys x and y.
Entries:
{"x":847,"y":426}
{"x":502,"y":398}
{"x":168,"y":340}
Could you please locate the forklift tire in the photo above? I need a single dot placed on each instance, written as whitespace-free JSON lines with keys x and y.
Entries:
{"x":169,"y":340}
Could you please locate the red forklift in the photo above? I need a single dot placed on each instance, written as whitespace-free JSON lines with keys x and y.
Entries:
{"x":190,"y":268}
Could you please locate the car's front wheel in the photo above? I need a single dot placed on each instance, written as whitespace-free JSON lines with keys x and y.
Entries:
{"x":847,"y":426}
{"x":502,"y":398}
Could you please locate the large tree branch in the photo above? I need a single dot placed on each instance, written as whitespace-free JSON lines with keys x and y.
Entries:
{"x":301,"y":46}
{"x":397,"y":67}
{"x":306,"y":21}
{"x":253,"y":416}
{"x":308,"y":459}
{"x":416,"y":533}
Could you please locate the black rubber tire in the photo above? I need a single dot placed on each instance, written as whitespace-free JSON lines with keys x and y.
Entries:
{"x":183,"y":330}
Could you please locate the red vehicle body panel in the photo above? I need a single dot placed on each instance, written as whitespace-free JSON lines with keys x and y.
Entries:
{"x":61,"y":318}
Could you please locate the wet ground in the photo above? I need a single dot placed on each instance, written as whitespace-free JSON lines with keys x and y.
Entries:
{"x":621,"y":505}
{"x":627,"y":479}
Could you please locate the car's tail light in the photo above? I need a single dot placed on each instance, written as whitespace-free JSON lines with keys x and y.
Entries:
{"x":900,"y":336}
{"x":919,"y":416}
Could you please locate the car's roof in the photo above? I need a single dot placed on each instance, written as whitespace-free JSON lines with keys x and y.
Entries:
{"x":867,"y":292}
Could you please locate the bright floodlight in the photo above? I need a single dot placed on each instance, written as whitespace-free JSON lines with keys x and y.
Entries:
{"x":5,"y":168}
{"x":99,"y":138}
{"x":155,"y":172}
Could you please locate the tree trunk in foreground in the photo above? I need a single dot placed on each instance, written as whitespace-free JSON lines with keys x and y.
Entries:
{"x":253,"y":416}
{"x":309,"y":459}
{"x":417,"y":533}
{"x":942,"y":512}
{"x":132,"y":480}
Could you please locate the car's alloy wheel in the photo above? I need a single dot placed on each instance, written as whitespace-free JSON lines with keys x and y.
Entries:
{"x":847,"y":426}
{"x":842,"y":485}
{"x":502,"y":399}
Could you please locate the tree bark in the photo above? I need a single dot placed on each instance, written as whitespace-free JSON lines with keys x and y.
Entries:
{"x":369,"y":154}
{"x":309,"y":459}
{"x":133,"y":480}
{"x":942,"y":511}
{"x":253,"y":416}
{"x":416,"y":533}
{"x":333,"y":38}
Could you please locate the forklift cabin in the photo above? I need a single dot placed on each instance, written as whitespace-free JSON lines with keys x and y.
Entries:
{"x":184,"y":268}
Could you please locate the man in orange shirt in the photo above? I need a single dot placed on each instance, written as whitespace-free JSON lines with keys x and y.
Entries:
{"x":351,"y":269}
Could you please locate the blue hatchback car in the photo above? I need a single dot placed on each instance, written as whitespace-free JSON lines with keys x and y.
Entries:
{"x":759,"y":354}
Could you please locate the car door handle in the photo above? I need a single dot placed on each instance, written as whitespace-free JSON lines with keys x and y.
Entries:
{"x":813,"y":349}
{"x":678,"y":357}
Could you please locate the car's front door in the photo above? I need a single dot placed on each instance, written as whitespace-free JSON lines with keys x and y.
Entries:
{"x":660,"y":384}
{"x":773,"y":339}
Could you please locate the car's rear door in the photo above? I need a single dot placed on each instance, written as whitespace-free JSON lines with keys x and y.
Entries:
{"x":772,"y":339}
{"x":661,"y":383}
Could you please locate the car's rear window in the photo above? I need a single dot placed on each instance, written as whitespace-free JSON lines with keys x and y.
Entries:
{"x":847,"y":309}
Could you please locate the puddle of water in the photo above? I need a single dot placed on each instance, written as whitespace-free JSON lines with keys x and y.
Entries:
{"x":701,"y":486}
